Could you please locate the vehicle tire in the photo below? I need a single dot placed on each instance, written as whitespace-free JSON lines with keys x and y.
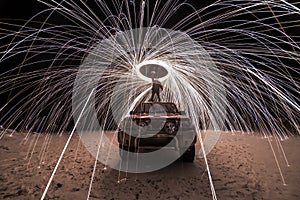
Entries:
{"x":124,"y":154}
{"x":189,"y":154}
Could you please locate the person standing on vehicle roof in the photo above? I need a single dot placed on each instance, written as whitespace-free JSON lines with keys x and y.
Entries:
{"x":156,"y":87}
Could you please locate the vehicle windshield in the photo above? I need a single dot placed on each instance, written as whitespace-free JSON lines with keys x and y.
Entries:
{"x":156,"y":108}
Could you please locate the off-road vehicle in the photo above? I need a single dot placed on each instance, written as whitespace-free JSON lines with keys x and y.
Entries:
{"x":155,"y":125}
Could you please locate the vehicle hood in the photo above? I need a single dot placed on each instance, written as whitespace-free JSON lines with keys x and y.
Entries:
{"x":163,"y":116}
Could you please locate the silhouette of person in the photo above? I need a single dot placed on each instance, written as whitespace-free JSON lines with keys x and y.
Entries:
{"x":156,"y":88}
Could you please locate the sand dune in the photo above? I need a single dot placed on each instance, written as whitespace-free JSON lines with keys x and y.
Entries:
{"x":242,"y":167}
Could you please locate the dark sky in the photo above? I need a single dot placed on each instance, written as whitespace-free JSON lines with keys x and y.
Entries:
{"x":18,"y":12}
{"x":24,"y":9}
{"x":16,"y":9}
{"x":13,"y":10}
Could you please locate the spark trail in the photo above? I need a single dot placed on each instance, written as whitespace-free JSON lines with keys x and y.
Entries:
{"x":231,"y":65}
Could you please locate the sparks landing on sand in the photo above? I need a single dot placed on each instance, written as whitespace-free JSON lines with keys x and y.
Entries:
{"x":155,"y":125}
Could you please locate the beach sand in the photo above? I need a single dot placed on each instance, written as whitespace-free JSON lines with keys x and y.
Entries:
{"x":242,"y":167}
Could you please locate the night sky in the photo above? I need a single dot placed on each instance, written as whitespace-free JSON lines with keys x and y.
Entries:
{"x":17,"y":12}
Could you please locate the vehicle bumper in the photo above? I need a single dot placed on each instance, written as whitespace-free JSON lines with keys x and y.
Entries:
{"x":184,"y":138}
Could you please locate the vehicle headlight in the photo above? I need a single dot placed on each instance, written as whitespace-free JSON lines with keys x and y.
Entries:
{"x":170,"y":127}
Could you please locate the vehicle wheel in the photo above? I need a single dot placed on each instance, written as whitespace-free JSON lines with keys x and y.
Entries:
{"x":189,"y":154}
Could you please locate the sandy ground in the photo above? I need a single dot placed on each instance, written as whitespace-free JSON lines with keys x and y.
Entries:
{"x":242,"y":167}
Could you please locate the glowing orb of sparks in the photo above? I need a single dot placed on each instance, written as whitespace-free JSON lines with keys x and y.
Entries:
{"x":145,"y":70}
